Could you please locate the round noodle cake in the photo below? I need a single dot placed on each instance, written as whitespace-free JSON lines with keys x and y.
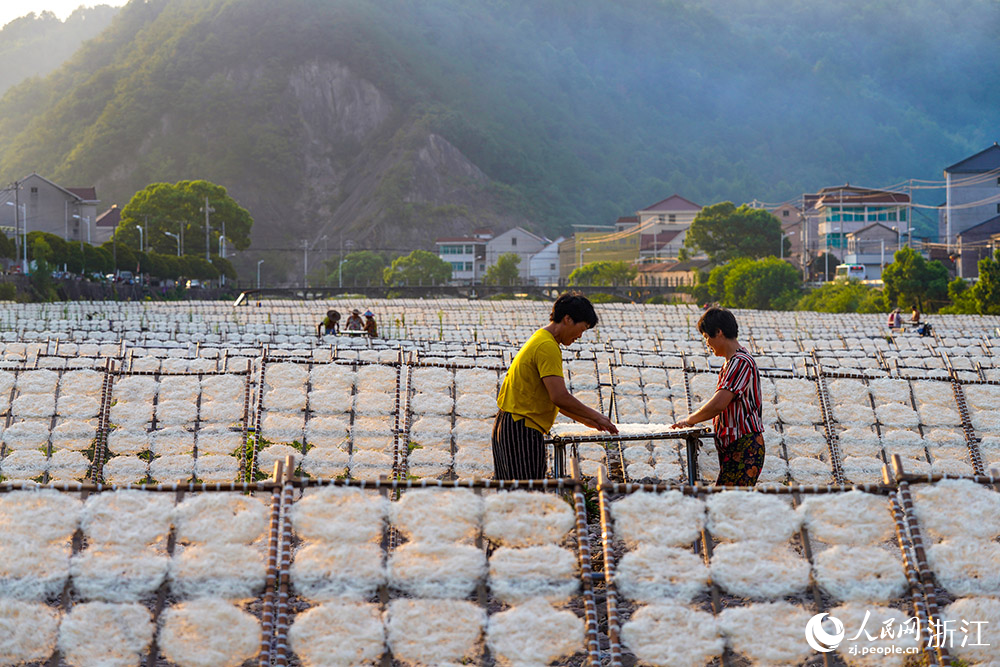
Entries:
{"x":326,"y":572}
{"x":436,"y":570}
{"x":38,"y":515}
{"x":860,"y":573}
{"x":428,"y":515}
{"x":966,"y":566}
{"x":672,"y":635}
{"x":434,"y":632}
{"x":117,"y":573}
{"x":758,"y":570}
{"x":983,"y":617}
{"x":103,"y":634}
{"x":852,"y":615}
{"x":220,"y":517}
{"x":664,"y":519}
{"x":937,"y":506}
{"x":853,"y":518}
{"x":230,"y":571}
{"x":527,"y":518}
{"x":340,"y":634}
{"x":741,"y":515}
{"x":209,"y":633}
{"x":517,"y":575}
{"x":126,"y":517}
{"x":651,"y":573}
{"x":29,"y":631}
{"x":768,"y":633}
{"x":534,"y":634}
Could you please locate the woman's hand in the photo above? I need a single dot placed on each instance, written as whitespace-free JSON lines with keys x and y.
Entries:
{"x":683,"y":423}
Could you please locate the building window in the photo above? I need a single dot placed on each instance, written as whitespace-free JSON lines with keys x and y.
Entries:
{"x":456,"y":266}
{"x":470,"y":249}
{"x":513,"y":240}
{"x":552,"y":267}
{"x":34,"y":190}
{"x":468,"y":266}
{"x":672,"y":218}
{"x":784,"y":214}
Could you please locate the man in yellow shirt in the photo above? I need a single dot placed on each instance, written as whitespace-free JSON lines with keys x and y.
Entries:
{"x":534,"y":393}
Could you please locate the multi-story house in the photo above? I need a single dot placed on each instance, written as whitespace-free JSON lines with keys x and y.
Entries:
{"x":466,"y":254}
{"x":837,"y":211}
{"x":520,"y":242}
{"x":42,"y":205}
{"x":970,"y":217}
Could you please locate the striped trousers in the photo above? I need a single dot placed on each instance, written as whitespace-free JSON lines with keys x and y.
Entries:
{"x":518,"y":449}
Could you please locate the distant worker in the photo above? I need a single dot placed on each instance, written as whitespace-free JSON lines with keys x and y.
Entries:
{"x":915,"y":315}
{"x":534,"y":392}
{"x":895,"y":319}
{"x":370,"y":327}
{"x":330,"y":324}
{"x":354,"y":322}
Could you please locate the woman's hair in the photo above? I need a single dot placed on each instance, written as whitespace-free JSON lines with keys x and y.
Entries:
{"x":715,"y":320}
{"x":577,"y":306}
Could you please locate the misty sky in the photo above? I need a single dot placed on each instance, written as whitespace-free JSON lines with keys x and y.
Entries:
{"x":12,"y":9}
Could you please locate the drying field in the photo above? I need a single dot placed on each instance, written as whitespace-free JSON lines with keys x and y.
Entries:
{"x":145,"y":520}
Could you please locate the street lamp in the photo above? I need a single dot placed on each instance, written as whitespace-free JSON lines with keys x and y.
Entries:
{"x":139,"y":227}
{"x":24,"y":220}
{"x":177,"y":238}
{"x":259,"y":262}
{"x":207,"y":209}
{"x":583,"y":250}
{"x":340,"y":273}
{"x":222,"y":254}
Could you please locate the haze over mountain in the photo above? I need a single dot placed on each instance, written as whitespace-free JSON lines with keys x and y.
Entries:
{"x":391,"y":122}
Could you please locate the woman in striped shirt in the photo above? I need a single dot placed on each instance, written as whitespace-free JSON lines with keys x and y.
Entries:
{"x":735,"y":407}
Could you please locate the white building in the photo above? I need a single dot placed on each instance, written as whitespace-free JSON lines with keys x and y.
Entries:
{"x":466,"y":254}
{"x":543,"y":267}
{"x":43,"y":206}
{"x":972,"y":198}
{"x":520,"y":242}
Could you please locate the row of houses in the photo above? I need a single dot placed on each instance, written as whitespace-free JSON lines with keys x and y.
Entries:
{"x":850,"y":224}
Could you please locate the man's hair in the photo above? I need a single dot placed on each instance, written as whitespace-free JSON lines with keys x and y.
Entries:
{"x":715,"y":320}
{"x":577,"y":306}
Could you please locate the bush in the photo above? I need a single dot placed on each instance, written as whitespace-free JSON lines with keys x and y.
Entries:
{"x":8,"y":291}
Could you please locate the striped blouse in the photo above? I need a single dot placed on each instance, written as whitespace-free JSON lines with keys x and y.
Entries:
{"x":743,"y":415}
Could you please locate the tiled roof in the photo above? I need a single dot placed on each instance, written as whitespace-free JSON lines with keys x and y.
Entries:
{"x":853,"y":195}
{"x":672,"y":203}
{"x":985,"y":160}
{"x":460,"y":239}
{"x":858,"y":232}
{"x":986,"y":228}
{"x":109,"y":218}
{"x":88,"y":194}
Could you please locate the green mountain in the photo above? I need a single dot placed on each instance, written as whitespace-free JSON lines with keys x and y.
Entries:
{"x":390,"y":122}
{"x":36,"y":44}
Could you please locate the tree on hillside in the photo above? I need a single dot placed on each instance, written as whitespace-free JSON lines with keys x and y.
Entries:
{"x":505,"y":271}
{"x":768,"y":283}
{"x":418,"y":268}
{"x":912,"y":280}
{"x":724,"y":232}
{"x":983,"y":296}
{"x":362,"y":267}
{"x":824,"y":267}
{"x":849,"y":297}
{"x":162,"y":208}
{"x":603,"y":273}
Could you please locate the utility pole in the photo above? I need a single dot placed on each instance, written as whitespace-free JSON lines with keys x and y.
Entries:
{"x":305,"y":265}
{"x":208,"y":248}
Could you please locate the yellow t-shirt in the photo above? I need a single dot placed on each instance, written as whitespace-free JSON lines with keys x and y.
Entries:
{"x":523,"y":393}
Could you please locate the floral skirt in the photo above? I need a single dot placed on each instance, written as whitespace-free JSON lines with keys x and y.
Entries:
{"x":740,"y":461}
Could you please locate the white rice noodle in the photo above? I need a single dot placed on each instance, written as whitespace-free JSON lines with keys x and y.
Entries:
{"x":793,"y":434}
{"x":431,"y":429}
{"x":221,"y":411}
{"x":527,"y":518}
{"x":985,"y":611}
{"x":901,"y":437}
{"x":230,"y":571}
{"x":33,"y":571}
{"x":739,"y":515}
{"x":651,"y":573}
{"x":944,"y":437}
{"x":174,"y":468}
{"x":436,"y":570}
{"x":178,"y":388}
{"x":213,"y":518}
{"x":127,"y":517}
{"x":473,"y":459}
{"x":209,"y":633}
{"x":759,"y":570}
{"x":326,"y":431}
{"x":267,"y":457}
{"x":637,"y":471}
{"x":78,"y":406}
{"x":850,"y":518}
{"x":431,"y":404}
{"x":986,"y":420}
{"x":854,"y":413}
{"x":331,"y":401}
{"x":117,"y":573}
{"x":286,"y":375}
{"x":343,"y":515}
{"x":966,"y":566}
{"x":67,"y":465}
{"x":372,"y":426}
{"x":369,"y":465}
{"x":703,"y":386}
{"x":897,"y":414}
{"x":340,"y":634}
{"x":938,"y":506}
{"x":23,"y":464}
{"x":888,"y":390}
{"x":534,"y":634}
{"x":125,"y":470}
{"x":434,"y":632}
{"x":668,"y":519}
{"x":325,"y":462}
{"x":27,"y":435}
{"x":859,"y":436}
{"x":129,"y":441}
{"x":938,"y":394}
{"x":374,"y":403}
{"x":74,"y":434}
{"x":860,"y":574}
{"x":374,"y":444}
{"x":793,"y":412}
{"x":847,"y":391}
{"x":30,"y":631}
{"x":518,"y":575}
{"x":795,"y":390}
{"x":672,"y":635}
{"x":172,"y":440}
{"x":377,"y":378}
{"x":218,"y":441}
{"x":37,"y":382}
{"x":33,"y":405}
{"x":476,"y":430}
{"x":950,"y":466}
{"x":426,"y":456}
{"x":806,"y":470}
{"x":431,"y":380}
{"x":326,"y":572}
{"x":768,"y":633}
{"x":38,"y":516}
{"x":216,"y":468}
{"x":286,"y":399}
{"x":103,"y":634}
{"x":475,"y":380}
{"x":222,"y":388}
{"x":283,"y":426}
{"x":438,"y":516}
{"x":863,"y":469}
{"x":476,"y":405}
{"x":174,"y":412}
{"x":855,"y":652}
{"x":982,"y":396}
{"x":132,"y":414}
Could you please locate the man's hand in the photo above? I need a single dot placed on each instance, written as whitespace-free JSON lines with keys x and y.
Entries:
{"x":605,"y":424}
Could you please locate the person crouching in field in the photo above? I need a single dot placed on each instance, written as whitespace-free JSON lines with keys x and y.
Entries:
{"x":534,"y":392}
{"x":735,"y":408}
